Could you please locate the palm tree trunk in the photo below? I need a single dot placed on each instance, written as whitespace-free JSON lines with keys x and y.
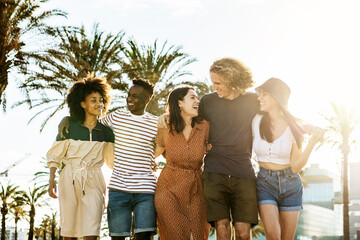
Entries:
{"x":4,"y":64}
{"x":346,"y":197}
{"x":3,"y":226}
{"x":53,"y":231}
{"x":32,"y":218}
{"x":16,"y":232}
{"x":44,"y":236}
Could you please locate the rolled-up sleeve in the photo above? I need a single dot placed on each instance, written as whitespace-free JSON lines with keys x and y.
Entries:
{"x":56,"y":153}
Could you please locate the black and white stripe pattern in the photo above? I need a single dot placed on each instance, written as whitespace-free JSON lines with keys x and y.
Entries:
{"x":134,"y":151}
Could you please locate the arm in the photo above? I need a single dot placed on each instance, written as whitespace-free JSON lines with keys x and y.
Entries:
{"x":64,"y":125}
{"x":158,"y":150}
{"x":160,"y":140}
{"x":52,"y":190}
{"x":299,"y":159}
{"x":163,"y":121}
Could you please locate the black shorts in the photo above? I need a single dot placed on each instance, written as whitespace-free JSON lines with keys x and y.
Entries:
{"x":231,"y":198}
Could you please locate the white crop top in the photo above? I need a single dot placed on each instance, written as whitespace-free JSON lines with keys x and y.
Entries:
{"x":276,"y":152}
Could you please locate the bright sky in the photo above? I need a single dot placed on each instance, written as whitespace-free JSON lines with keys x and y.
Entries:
{"x":313,"y":45}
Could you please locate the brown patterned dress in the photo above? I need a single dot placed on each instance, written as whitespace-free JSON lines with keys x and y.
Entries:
{"x":179,"y":195}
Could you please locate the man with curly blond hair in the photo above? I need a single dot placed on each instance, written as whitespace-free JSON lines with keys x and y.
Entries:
{"x":229,"y":178}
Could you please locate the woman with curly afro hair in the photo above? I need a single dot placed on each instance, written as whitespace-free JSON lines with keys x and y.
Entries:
{"x":87,"y":145}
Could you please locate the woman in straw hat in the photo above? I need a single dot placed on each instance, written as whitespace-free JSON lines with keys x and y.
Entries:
{"x":278,"y":139}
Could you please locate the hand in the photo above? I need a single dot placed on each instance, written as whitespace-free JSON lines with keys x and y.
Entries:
{"x":208,"y":147}
{"x":317,"y":135}
{"x":52,"y":189}
{"x":163,"y":121}
{"x":64,"y":124}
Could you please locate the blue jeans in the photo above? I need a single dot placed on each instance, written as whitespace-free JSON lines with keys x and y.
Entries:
{"x":282,"y":188}
{"x":120,"y":208}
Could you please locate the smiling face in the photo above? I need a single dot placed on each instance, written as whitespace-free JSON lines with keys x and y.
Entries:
{"x":93,"y":104}
{"x":189,"y":105}
{"x":220,"y":87}
{"x":137,"y":99}
{"x":267,"y":102}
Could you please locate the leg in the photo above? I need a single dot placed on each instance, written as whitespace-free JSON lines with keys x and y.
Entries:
{"x":119,"y":214}
{"x":269,"y":215}
{"x":118,"y":238}
{"x":242,"y":231}
{"x":223,"y":229}
{"x":288,"y":223}
{"x":143,"y":236}
{"x":145,"y":215}
{"x":90,"y":237}
{"x":244,"y":208}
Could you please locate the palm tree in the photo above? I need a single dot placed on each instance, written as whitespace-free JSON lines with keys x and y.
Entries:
{"x":19,"y":19}
{"x":7,"y":194}
{"x":33,"y":198}
{"x":18,"y":211}
{"x":52,"y":224}
{"x":76,"y":55}
{"x":44,"y":226}
{"x":162,"y":66}
{"x":341,"y":124}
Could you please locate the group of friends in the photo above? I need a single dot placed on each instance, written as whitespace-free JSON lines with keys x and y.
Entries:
{"x":208,"y":179}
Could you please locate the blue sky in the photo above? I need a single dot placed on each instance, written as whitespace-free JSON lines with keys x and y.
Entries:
{"x":313,"y":45}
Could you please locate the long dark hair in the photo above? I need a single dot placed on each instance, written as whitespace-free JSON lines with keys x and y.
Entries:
{"x":82,"y":88}
{"x":176,"y":122}
{"x":293,"y":122}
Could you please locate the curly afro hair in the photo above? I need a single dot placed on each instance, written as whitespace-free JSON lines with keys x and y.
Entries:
{"x":233,"y":73}
{"x":81,"y":89}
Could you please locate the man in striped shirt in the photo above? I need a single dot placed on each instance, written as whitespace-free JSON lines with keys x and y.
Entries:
{"x":132,"y":184}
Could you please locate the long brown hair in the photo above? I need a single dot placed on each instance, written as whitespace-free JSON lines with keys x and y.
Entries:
{"x":176,"y":122}
{"x":294,"y":124}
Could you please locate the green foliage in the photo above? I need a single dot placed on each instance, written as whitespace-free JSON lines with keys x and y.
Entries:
{"x":74,"y":57}
{"x":33,"y":199}
{"x":19,"y":20}
{"x":7,"y":195}
{"x":162,"y":66}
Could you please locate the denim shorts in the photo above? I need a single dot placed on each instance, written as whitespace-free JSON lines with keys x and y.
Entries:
{"x":282,"y":188}
{"x":120,"y":208}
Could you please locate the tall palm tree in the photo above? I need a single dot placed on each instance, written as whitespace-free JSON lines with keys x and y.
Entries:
{"x":19,"y":19}
{"x":18,"y":210}
{"x":33,"y":198}
{"x":341,"y":124}
{"x":162,"y":66}
{"x":72,"y":58}
{"x":7,"y":194}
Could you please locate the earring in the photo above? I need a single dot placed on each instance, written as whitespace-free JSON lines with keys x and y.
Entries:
{"x":180,"y":108}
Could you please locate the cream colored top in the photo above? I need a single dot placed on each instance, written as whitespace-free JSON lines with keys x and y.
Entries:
{"x":278,"y":151}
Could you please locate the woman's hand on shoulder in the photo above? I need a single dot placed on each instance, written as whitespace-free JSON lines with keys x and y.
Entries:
{"x":64,"y":125}
{"x":163,"y":121}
